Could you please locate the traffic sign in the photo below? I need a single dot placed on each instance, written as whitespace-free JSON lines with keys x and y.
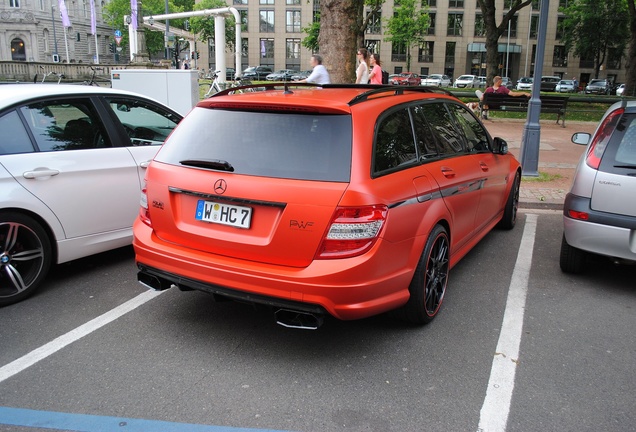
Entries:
{"x":118,"y":33}
{"x":118,"y":40}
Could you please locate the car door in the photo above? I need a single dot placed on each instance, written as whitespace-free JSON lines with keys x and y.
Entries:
{"x":91,"y":186}
{"x":458,"y":176}
{"x":146,"y":126}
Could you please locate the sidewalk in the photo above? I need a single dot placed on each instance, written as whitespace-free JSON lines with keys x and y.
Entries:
{"x":558,"y":157}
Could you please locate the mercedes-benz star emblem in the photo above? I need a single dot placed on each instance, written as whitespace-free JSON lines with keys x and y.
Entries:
{"x":220,"y":186}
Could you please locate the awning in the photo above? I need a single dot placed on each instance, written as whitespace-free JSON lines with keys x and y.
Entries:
{"x":481,"y":47}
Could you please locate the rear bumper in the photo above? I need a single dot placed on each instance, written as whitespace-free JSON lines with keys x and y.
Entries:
{"x":603,"y":233}
{"x":347,"y":289}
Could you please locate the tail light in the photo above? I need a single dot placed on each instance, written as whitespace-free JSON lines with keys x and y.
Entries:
{"x":599,"y":143}
{"x":352,"y":232}
{"x":144,"y":214}
{"x":578,"y":215}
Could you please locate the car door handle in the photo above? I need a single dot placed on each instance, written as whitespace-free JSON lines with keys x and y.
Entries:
{"x":39,"y":173}
{"x":448,"y":172}
{"x":145,"y":164}
{"x":483,"y":166}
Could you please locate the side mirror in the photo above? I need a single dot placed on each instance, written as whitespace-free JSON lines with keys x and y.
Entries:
{"x":500,"y":146}
{"x":582,"y":138}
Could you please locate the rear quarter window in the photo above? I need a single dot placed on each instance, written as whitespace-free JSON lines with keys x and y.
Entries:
{"x":281,"y":144}
{"x":620,"y":156}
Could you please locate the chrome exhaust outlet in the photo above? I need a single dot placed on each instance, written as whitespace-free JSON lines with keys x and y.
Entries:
{"x":298,"y":320}
{"x":153,"y":282}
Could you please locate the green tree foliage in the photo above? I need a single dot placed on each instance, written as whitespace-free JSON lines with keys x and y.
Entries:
{"x":312,"y":31}
{"x":630,"y":85}
{"x":204,"y":26}
{"x":592,"y":27}
{"x":407,"y":27}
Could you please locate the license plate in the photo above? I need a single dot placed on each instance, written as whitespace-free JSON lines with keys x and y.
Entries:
{"x":224,"y":214}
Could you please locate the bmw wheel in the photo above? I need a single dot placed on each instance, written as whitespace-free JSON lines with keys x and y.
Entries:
{"x":509,"y":218}
{"x":25,"y":256}
{"x":429,"y":281}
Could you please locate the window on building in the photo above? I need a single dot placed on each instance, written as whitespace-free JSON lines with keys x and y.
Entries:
{"x":41,"y":3}
{"x":449,"y":57}
{"x":586,"y":60}
{"x":425,"y":54}
{"x":429,"y":3}
{"x":266,"y":21}
{"x":267,"y":49}
{"x":534,"y":26}
{"x":480,"y":25}
{"x":292,"y":21}
{"x":560,"y":57}
{"x":292,"y":48}
{"x":245,"y":53}
{"x":14,"y":3}
{"x":398,"y":52}
{"x":293,"y":2}
{"x":372,"y":45}
{"x":239,"y":2}
{"x":424,"y":71}
{"x":455,"y":24}
{"x":266,"y":2}
{"x":45,"y":36}
{"x":431,"y":23}
{"x":512,"y":27}
{"x":375,"y":22}
{"x":560,"y":27}
{"x":455,"y":3}
{"x":536,"y":4}
{"x":563,"y":3}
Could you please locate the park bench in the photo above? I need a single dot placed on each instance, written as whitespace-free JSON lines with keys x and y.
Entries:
{"x":549,"y":104}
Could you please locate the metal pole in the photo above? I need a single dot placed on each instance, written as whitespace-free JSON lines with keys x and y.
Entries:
{"x":532,"y":130}
{"x":167,"y":33}
{"x":525,"y":68}
{"x":54,"y":36}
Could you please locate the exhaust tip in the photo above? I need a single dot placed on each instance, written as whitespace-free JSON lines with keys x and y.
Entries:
{"x":298,"y":320}
{"x":153,"y":282}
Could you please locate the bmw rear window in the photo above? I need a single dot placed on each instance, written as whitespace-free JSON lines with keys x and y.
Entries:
{"x":308,"y":146}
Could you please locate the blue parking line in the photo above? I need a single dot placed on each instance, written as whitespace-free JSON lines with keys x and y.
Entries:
{"x":94,"y":423}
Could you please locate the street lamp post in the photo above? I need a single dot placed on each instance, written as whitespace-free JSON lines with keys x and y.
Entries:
{"x":55,"y":54}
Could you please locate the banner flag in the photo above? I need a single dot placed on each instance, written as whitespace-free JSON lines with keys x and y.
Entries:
{"x":64,"y":14}
{"x":93,"y":19}
{"x":133,"y":14}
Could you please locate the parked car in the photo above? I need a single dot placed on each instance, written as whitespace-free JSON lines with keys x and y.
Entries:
{"x":565,"y":86}
{"x":257,"y":73}
{"x":507,"y":82}
{"x":549,"y":83}
{"x":465,"y":81}
{"x":422,"y":79}
{"x":230,"y":74}
{"x":392,"y":78}
{"x":406,"y":78}
{"x":598,"y":86}
{"x":525,"y":83}
{"x":482,"y":81}
{"x":437,"y":80}
{"x":620,"y":90}
{"x":599,"y":213}
{"x":301,"y":75}
{"x":303,"y":207}
{"x":281,"y":75}
{"x":72,"y":162}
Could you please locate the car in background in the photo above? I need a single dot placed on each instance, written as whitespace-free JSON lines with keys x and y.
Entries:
{"x":257,"y":73}
{"x":525,"y":83}
{"x":549,"y":83}
{"x":303,"y":207}
{"x":281,"y":75}
{"x":482,"y":81}
{"x":620,"y":90}
{"x":422,"y":79}
{"x":406,"y":78}
{"x":507,"y":82}
{"x":565,"y":86}
{"x":466,"y":81}
{"x":437,"y":80}
{"x":598,"y":86}
{"x":230,"y":74}
{"x":599,"y":213}
{"x":72,"y":165}
{"x":301,"y":75}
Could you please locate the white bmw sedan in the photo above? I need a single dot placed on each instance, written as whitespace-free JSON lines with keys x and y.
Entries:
{"x":72,"y":162}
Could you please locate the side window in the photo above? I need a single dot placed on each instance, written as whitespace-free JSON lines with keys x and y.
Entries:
{"x":14,"y":137}
{"x":426,"y":142}
{"x":474,"y":133}
{"x":626,"y":153}
{"x":65,"y":125}
{"x":394,"y":143}
{"x":449,"y":140}
{"x":145,"y":124}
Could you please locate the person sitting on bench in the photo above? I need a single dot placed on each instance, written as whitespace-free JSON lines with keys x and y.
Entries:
{"x":497,"y":88}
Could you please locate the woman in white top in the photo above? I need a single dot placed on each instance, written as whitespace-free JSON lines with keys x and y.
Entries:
{"x":362,"y":73}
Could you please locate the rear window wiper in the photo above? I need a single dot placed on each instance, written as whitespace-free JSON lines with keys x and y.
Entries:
{"x":625,"y":166}
{"x":216,"y":164}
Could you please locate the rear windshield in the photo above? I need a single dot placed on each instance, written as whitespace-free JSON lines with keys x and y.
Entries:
{"x":620,"y":155}
{"x":282,"y":145}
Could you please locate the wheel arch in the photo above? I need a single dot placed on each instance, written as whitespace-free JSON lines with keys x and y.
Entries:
{"x":43,"y":223}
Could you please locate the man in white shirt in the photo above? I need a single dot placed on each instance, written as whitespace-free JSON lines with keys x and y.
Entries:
{"x":319,"y":74}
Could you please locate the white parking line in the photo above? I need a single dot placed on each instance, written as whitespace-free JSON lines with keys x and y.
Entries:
{"x":57,"y":344}
{"x":496,"y":407}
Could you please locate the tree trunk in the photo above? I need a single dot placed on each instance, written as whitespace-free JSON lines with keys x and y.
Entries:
{"x":339,"y":23}
{"x":630,"y":85}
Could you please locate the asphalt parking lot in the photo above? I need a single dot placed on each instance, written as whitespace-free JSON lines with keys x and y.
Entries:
{"x":518,"y":346}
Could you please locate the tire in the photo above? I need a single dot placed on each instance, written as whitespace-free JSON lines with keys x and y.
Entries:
{"x":509,"y":218}
{"x":429,"y":281}
{"x":25,"y":256}
{"x":571,"y":260}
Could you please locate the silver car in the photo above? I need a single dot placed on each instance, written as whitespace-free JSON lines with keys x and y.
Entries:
{"x":599,"y":214}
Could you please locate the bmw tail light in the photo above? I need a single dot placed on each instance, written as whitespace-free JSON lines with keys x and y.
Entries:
{"x":599,"y":143}
{"x":353,"y":231}
{"x":144,"y":214}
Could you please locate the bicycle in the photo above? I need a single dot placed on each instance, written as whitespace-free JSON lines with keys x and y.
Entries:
{"x":215,"y":85}
{"x":48,"y":74}
{"x":92,"y":81}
